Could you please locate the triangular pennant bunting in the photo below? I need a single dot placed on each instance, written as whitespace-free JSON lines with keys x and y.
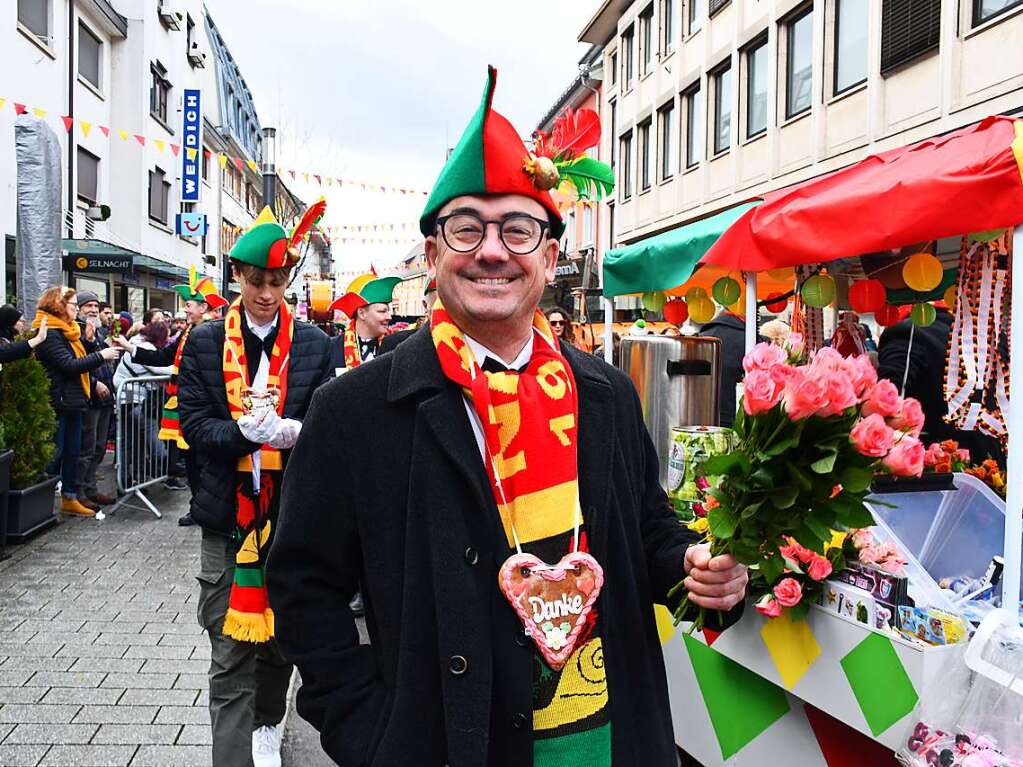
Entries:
{"x":39,"y":113}
{"x":123,"y":134}
{"x":105,"y":129}
{"x":68,"y":123}
{"x":222,"y":159}
{"x":175,"y":148}
{"x":140,"y":139}
{"x":252,"y":166}
{"x":19,"y":109}
{"x":159,"y":144}
{"x":85,"y":126}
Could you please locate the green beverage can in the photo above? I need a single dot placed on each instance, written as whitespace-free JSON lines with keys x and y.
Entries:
{"x":689,"y":447}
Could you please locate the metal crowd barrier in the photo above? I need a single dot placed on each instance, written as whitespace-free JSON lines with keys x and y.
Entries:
{"x":141,"y":459}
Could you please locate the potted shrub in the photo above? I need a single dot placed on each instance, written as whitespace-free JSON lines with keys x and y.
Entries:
{"x":5,"y":483}
{"x":29,"y":424}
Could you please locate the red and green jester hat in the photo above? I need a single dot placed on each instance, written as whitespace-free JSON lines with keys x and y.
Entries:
{"x":364,"y":290}
{"x":201,"y":290}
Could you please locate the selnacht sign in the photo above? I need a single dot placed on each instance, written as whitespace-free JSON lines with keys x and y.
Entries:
{"x":191,"y":158}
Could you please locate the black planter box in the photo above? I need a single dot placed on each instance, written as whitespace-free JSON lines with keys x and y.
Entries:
{"x":929,"y":481}
{"x":30,"y":510}
{"x":5,"y":484}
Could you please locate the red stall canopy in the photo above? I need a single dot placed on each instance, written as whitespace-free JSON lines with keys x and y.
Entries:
{"x":967,"y":181}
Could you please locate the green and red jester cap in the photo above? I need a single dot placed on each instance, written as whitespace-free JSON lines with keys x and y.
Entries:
{"x":268,"y":245}
{"x":490,"y":159}
{"x":365,"y":290}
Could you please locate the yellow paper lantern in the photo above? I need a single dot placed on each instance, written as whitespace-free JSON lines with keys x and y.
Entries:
{"x":702,"y":310}
{"x":818,"y":291}
{"x":922,"y":272}
{"x":781,"y":274}
{"x":950,"y":296}
{"x":653,"y":301}
{"x":696,"y":294}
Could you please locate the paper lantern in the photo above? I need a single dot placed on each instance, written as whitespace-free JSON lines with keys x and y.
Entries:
{"x":987,"y":235}
{"x":922,"y":272}
{"x":887,"y":315}
{"x":702,"y":310}
{"x":866,"y":296}
{"x":781,"y":274}
{"x":695,"y":293}
{"x":950,"y":297}
{"x":818,"y":291}
{"x":653,"y":302}
{"x":726,"y":291}
{"x":776,"y":304}
{"x":676,"y":312}
{"x":923,"y":315}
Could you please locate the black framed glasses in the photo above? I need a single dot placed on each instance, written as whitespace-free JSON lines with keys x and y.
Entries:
{"x":520,"y":233}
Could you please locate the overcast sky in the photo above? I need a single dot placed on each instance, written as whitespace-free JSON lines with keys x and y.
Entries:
{"x":378,"y":90}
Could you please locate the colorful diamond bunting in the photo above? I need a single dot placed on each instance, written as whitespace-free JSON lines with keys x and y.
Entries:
{"x":880,"y":683}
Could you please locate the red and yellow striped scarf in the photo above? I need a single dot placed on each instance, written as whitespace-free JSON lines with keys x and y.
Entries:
{"x":530,"y":422}
{"x":170,"y":425}
{"x":352,"y":347}
{"x":249,"y":617}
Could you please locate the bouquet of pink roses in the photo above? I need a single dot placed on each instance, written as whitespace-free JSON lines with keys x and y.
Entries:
{"x":809,"y":440}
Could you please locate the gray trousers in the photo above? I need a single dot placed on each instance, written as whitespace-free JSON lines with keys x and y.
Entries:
{"x":248,"y":682}
{"x":95,"y":425}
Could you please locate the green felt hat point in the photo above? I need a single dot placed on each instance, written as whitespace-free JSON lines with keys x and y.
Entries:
{"x":254,"y":247}
{"x":379,"y":291}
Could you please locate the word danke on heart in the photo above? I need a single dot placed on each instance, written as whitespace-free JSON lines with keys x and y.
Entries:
{"x":546,"y":610}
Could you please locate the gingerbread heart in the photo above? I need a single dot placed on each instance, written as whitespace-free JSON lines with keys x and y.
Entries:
{"x":552,"y":601}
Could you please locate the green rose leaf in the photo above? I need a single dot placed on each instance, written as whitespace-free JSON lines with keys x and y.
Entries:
{"x":772,"y":567}
{"x":727,"y":463}
{"x":785,"y":497}
{"x":854,"y":517}
{"x":826,"y":464}
{"x":722,"y":523}
{"x":855,"y":479}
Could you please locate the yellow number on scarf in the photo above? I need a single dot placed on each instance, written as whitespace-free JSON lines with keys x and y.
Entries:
{"x":507,"y":419}
{"x":560,"y":426}
{"x":554,"y":385}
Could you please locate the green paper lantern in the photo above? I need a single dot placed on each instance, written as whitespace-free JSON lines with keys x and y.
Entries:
{"x":818,"y":291}
{"x":923,"y":315}
{"x":654,"y":301}
{"x":987,"y":235}
{"x":726,"y":291}
{"x":695,"y":295}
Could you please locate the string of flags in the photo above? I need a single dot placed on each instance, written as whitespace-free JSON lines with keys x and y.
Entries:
{"x":319,"y":178}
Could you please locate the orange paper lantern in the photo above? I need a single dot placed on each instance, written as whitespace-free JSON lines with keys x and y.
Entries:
{"x":867,"y":296}
{"x":922,"y":272}
{"x":951,"y":296}
{"x":676,"y":312}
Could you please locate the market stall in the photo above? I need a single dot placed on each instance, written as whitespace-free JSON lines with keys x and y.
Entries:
{"x":833,"y":689}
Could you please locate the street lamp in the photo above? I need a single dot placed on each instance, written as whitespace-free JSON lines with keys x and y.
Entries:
{"x":270,"y":168}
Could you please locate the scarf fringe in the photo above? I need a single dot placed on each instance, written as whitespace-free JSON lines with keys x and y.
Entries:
{"x":249,"y":627}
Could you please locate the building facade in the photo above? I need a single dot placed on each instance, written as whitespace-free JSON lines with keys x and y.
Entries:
{"x":713,"y":102}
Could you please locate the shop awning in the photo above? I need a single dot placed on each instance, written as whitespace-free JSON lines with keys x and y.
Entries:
{"x":162,"y":268}
{"x":100,"y":256}
{"x":970,"y":180}
{"x":668,"y":259}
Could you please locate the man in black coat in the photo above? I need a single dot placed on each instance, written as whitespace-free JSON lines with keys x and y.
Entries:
{"x":407,"y":509}
{"x":241,"y":448}
{"x":923,"y":367}
{"x":731,"y":329}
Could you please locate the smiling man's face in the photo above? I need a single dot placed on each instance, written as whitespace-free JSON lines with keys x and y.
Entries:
{"x":489,"y":284}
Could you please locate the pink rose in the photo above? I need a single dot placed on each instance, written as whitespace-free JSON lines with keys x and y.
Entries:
{"x":788,"y":592}
{"x":892,"y":564}
{"x":883,"y":398}
{"x":764,"y":357}
{"x":871,"y":555}
{"x":804,"y":395}
{"x":910,"y":418}
{"x":795,"y":344}
{"x":906,"y":459}
{"x":871,"y":436}
{"x":862,"y":538}
{"x":768,"y":606}
{"x":702,"y":483}
{"x":963,"y":455}
{"x":759,"y":392}
{"x":841,"y":394}
{"x":819,"y":568}
{"x":933,"y":454}
{"x":863,"y":372}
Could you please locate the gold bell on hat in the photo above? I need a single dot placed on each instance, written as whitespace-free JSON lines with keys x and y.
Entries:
{"x":544,"y":172}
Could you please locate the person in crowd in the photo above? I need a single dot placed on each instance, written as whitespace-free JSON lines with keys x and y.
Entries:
{"x":244,"y":386}
{"x":96,"y":418}
{"x":367,"y":303}
{"x":106,"y":320}
{"x":391,"y":341}
{"x":68,"y":367}
{"x":921,"y":365}
{"x":178,"y":325}
{"x":616,"y":347}
{"x":776,"y":331}
{"x":153,"y":314}
{"x":561,"y":325}
{"x":731,"y":329}
{"x":199,"y":295}
{"x":11,"y":348}
{"x":479,"y":436}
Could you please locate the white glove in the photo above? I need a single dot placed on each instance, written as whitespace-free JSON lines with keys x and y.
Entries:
{"x":287,"y":434}
{"x":261,"y":427}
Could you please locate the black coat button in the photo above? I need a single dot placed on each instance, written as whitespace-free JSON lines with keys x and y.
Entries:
{"x":458,"y":665}
{"x":471,"y":556}
{"x":519,"y":721}
{"x":521,"y":638}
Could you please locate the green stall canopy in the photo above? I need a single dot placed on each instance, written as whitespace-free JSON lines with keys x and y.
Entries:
{"x":668,"y":259}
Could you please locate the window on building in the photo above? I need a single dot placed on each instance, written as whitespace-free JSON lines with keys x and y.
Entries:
{"x":697,"y":9}
{"x":589,"y":230}
{"x":159,"y":92}
{"x":628,"y":40}
{"x":205,"y":164}
{"x":626,"y":163}
{"x":909,"y":28}
{"x":756,"y":89}
{"x":694,"y":126}
{"x":666,"y":139}
{"x":614,"y":68}
{"x":984,"y":10}
{"x":799,"y":63}
{"x":189,"y":33}
{"x":89,"y":50}
{"x":669,"y":25}
{"x":645,"y":157}
{"x":723,"y":108}
{"x":614,"y":130}
{"x":88,"y":176}
{"x":646,"y":39}
{"x":159,"y":195}
{"x":851,"y":20}
{"x":228,"y":235}
{"x":34,"y":15}
{"x":716,"y":5}
{"x":570,"y":233}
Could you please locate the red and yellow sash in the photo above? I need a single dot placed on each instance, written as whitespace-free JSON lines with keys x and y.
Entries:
{"x":249,"y":617}
{"x":170,"y":426}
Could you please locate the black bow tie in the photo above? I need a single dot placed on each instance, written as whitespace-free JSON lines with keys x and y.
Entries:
{"x":490,"y":365}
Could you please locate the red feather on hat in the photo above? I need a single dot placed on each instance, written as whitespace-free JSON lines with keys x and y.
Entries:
{"x":309,"y":219}
{"x":572,"y":134}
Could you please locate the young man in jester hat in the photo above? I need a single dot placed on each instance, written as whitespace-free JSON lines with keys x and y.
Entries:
{"x":484,"y":482}
{"x":244,"y":388}
{"x":367,"y":303}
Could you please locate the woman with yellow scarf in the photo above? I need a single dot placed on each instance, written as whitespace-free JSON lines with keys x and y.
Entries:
{"x":68,"y":366}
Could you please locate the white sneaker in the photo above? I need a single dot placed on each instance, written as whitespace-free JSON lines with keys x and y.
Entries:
{"x":266,"y":747}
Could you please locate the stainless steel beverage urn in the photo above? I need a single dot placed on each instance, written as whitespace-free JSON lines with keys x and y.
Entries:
{"x":678,"y":379}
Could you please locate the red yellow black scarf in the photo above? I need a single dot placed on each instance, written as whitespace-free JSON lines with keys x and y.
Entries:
{"x":170,"y":426}
{"x":352,"y":348}
{"x":249,"y":617}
